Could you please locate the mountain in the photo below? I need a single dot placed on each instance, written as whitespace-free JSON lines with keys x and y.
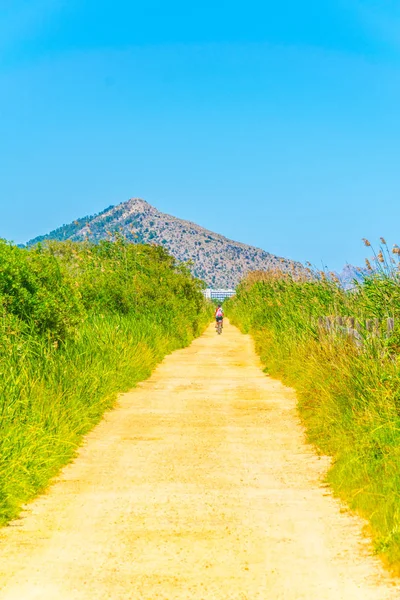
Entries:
{"x":350,"y":274}
{"x":220,"y":262}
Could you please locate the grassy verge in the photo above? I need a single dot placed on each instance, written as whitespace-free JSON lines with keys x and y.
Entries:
{"x":349,"y":397}
{"x":79,"y":324}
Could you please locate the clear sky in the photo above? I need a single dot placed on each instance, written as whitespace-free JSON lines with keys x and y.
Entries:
{"x":274,"y":123}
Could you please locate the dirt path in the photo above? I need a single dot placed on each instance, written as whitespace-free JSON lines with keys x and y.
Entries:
{"x":198,"y":486}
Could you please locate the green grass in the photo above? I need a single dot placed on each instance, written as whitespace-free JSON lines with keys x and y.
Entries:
{"x":79,"y":324}
{"x":349,"y":399}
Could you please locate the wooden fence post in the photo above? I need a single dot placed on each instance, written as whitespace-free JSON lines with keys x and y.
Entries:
{"x":377,"y":328}
{"x":350,"y":327}
{"x":390,"y":326}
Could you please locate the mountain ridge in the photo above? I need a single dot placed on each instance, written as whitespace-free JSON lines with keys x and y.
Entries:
{"x":350,"y":274}
{"x":218,"y":260}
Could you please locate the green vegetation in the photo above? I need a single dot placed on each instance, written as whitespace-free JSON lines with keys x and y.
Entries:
{"x":141,"y":223}
{"x":349,"y":394}
{"x":78,"y":324}
{"x":65,"y":232}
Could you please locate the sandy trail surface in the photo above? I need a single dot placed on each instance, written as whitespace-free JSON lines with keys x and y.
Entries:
{"x":199,"y":485}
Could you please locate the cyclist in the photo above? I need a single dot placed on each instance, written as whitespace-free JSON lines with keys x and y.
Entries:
{"x":219,"y":316}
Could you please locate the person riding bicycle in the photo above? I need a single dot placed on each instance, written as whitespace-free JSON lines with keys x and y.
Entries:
{"x":219,"y":316}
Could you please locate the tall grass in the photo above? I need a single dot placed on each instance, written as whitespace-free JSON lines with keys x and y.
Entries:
{"x":78,"y":324}
{"x":349,"y":397}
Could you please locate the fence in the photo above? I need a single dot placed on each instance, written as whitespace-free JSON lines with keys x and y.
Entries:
{"x":356,"y":330}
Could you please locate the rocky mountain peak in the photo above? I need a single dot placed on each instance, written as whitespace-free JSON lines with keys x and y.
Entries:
{"x":219,"y":261}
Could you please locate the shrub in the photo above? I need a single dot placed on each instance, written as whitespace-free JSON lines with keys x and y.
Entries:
{"x":35,"y":288}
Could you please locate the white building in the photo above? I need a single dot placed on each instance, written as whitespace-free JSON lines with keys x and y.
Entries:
{"x":211,"y":294}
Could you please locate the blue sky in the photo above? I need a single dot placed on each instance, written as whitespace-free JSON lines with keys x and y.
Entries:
{"x":276,"y":124}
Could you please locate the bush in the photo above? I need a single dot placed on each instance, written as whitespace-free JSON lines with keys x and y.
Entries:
{"x":35,"y":288}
